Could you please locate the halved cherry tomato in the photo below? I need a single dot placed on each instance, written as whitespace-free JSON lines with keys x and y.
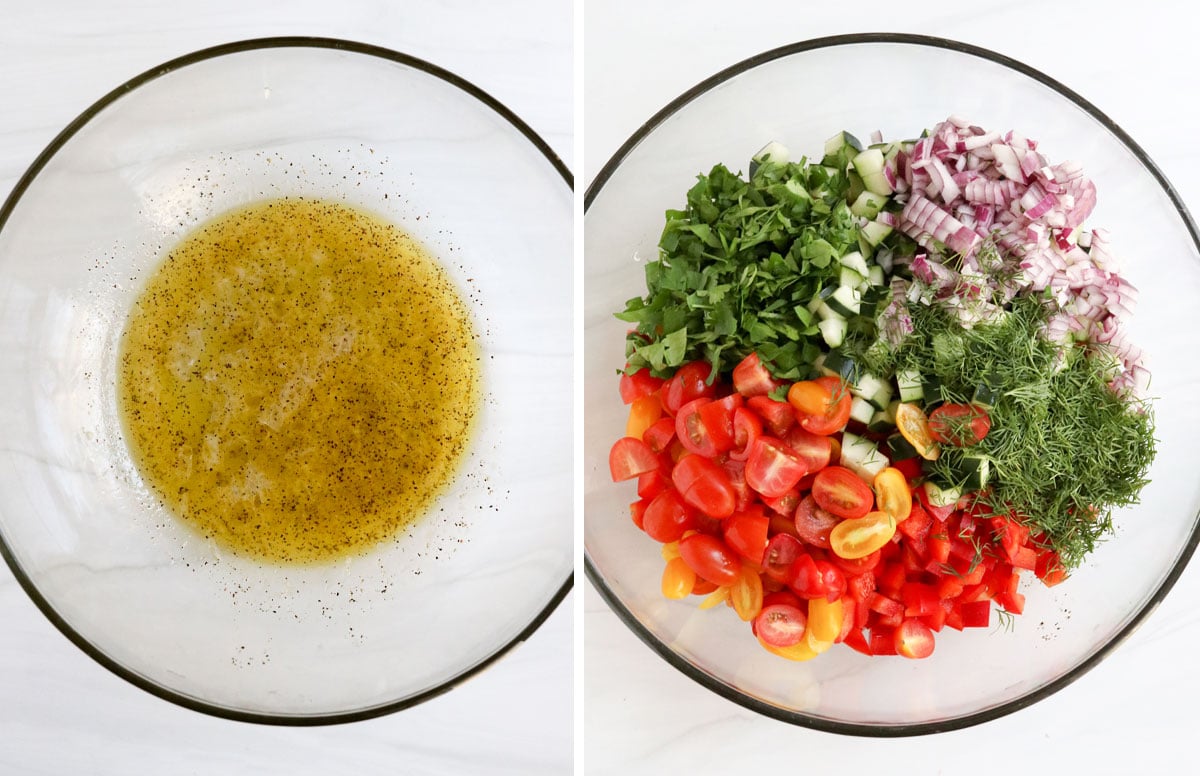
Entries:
{"x":637,"y":511}
{"x":640,"y":383}
{"x":746,"y":533}
{"x":752,"y":378}
{"x":856,"y":566}
{"x":650,"y":484}
{"x":841,"y":492}
{"x":746,"y":429}
{"x":772,"y":469}
{"x":782,"y":551}
{"x":913,"y":639}
{"x":746,"y":594}
{"x":690,"y":382}
{"x":783,"y":505}
{"x":809,"y":578}
{"x":705,"y":485}
{"x":710,"y":558}
{"x":678,"y":579}
{"x":862,"y":536}
{"x":914,"y":427}
{"x":822,"y":405}
{"x":892,"y":494}
{"x":630,"y":457}
{"x":777,"y":416}
{"x":660,"y":434}
{"x":781,"y":625}
{"x":691,"y":430}
{"x":643,"y":413}
{"x":717,"y":416}
{"x":814,"y":449}
{"x":814,"y":524}
{"x":825,"y":618}
{"x":666,"y":518}
{"x":959,"y":424}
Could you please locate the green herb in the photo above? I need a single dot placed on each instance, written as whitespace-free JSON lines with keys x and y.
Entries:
{"x":1064,"y":449}
{"x":738,"y":267}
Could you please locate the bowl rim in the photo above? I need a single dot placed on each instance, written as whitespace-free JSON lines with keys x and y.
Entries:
{"x":10,"y":203}
{"x":967,"y":720}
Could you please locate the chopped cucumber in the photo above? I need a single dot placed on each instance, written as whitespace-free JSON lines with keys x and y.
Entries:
{"x":833,"y":330}
{"x":855,"y":261}
{"x":985,"y":395}
{"x":843,"y":145}
{"x":848,"y":277}
{"x":900,"y":448}
{"x":773,"y":152}
{"x":869,"y":164}
{"x":974,"y":471}
{"x":868,"y":204}
{"x":875,"y":276}
{"x":861,"y":410}
{"x":940,"y":496}
{"x":875,"y":232}
{"x":844,"y":301}
{"x":909,"y":383}
{"x":837,"y":364}
{"x":881,"y":421}
{"x":862,"y":457}
{"x":868,"y":386}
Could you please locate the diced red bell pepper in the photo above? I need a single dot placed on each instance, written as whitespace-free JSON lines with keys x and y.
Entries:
{"x":890,"y":578}
{"x":919,"y":599}
{"x":976,"y":614}
{"x":949,"y":587}
{"x":883,"y":640}
{"x":937,"y":618}
{"x":891,"y":613}
{"x":856,"y":641}
{"x":938,"y":542}
{"x":917,"y":525}
{"x":1024,"y":558}
{"x":1049,"y":569}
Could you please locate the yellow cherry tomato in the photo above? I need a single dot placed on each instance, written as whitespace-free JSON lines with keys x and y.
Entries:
{"x":670,"y":551}
{"x":642,"y":415}
{"x":824,"y":620}
{"x":914,"y":427}
{"x":678,"y":579}
{"x":716,"y":597}
{"x":746,"y":594}
{"x":858,"y":538}
{"x":798,"y":652}
{"x":892,"y":494}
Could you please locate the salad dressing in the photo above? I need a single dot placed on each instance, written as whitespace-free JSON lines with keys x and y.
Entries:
{"x":298,"y":380}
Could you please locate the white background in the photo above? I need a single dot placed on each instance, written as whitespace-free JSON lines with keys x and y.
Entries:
{"x":1135,"y":712}
{"x":60,"y":712}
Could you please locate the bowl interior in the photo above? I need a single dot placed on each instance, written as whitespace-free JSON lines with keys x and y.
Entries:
{"x":800,"y":97}
{"x":143,"y":593}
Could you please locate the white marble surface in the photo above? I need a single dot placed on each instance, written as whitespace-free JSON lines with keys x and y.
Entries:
{"x":60,"y":712}
{"x":1131,"y":714}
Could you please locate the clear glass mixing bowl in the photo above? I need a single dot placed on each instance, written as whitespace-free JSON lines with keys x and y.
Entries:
{"x":900,"y":84}
{"x":123,"y":579}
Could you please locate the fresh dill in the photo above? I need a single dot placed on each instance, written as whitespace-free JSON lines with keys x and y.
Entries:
{"x":1063,"y":448}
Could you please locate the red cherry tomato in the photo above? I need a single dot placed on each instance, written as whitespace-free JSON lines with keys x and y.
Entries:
{"x":913,"y":639}
{"x":814,"y":449}
{"x":746,"y":429}
{"x":710,"y":558}
{"x":690,"y":382}
{"x":959,"y":424}
{"x":752,"y":378}
{"x":630,"y":457}
{"x":822,"y":405}
{"x":814,"y":524}
{"x":667,"y":517}
{"x":691,"y":431}
{"x":746,"y":533}
{"x":811,"y":578}
{"x":781,"y":625}
{"x":717,"y":416}
{"x":777,"y":416}
{"x":705,"y":485}
{"x":640,"y":383}
{"x":660,"y":434}
{"x":858,"y":565}
{"x":782,"y":551}
{"x":841,"y":492}
{"x":772,"y":469}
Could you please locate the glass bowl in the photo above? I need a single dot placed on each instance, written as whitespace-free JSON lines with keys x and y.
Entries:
{"x":800,"y":95}
{"x":146,"y":596}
